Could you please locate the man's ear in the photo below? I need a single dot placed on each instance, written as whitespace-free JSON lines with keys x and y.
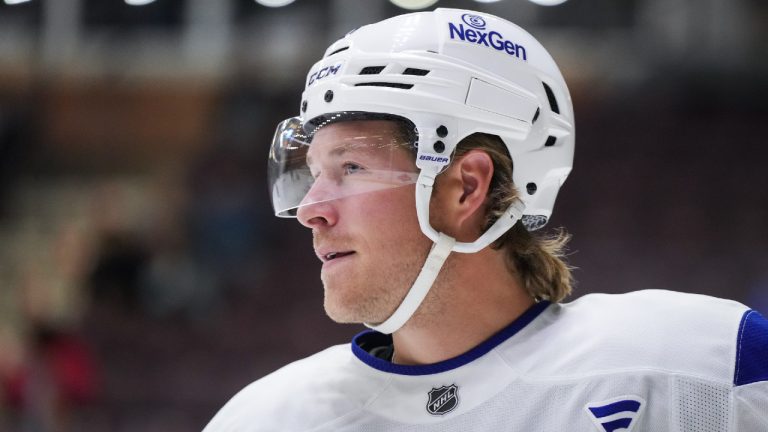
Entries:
{"x":461,"y":194}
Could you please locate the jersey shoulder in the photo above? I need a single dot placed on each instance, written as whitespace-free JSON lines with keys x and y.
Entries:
{"x":650,"y":330}
{"x":658,"y":309}
{"x":300,"y":396}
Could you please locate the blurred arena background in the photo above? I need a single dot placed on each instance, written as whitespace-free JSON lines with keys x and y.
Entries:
{"x":143,"y":279}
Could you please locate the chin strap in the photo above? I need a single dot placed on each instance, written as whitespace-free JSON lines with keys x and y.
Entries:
{"x":440,"y":250}
{"x":435,"y":260}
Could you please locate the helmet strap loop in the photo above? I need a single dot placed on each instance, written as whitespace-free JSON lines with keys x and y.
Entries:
{"x":442,"y":247}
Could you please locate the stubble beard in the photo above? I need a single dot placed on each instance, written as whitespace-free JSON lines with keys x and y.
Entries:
{"x":371,"y":291}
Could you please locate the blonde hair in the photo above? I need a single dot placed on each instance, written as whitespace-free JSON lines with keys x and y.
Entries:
{"x":538,"y":259}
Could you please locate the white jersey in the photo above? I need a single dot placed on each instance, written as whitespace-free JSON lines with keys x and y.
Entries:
{"x":646,"y":361}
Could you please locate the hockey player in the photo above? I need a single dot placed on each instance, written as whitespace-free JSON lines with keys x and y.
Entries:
{"x":428,"y":150}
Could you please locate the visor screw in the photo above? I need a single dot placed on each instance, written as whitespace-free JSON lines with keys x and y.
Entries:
{"x":531,"y":188}
{"x":304,"y":106}
{"x":439,"y":146}
{"x":329,"y":95}
{"x":442,"y":131}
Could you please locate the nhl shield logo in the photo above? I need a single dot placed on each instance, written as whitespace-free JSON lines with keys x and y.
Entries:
{"x":443,"y":400}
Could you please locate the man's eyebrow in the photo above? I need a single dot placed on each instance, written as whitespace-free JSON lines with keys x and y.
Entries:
{"x":338,"y":151}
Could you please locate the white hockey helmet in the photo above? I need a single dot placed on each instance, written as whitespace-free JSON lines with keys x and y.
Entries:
{"x":450,"y":73}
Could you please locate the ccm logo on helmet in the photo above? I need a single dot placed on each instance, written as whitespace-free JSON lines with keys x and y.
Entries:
{"x":323,"y":73}
{"x":492,"y":39}
{"x":441,"y":159}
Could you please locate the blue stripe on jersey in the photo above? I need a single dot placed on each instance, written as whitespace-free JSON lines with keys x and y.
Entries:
{"x":751,"y":349}
{"x":453,"y":363}
{"x":622,"y":423}
{"x":615,"y":408}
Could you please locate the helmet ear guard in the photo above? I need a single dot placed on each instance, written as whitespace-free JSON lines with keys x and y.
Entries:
{"x":453,"y":73}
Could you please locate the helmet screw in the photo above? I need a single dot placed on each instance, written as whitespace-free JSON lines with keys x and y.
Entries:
{"x":304,"y":106}
{"x":329,"y":95}
{"x":439,"y":146}
{"x":531,"y":188}
{"x":442,"y":131}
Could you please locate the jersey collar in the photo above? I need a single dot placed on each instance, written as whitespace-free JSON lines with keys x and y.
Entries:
{"x":374,"y":338}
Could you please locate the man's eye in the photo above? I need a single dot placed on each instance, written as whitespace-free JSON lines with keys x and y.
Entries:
{"x":352,"y":168}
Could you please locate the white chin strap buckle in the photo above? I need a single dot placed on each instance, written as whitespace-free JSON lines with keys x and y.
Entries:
{"x":437,"y":256}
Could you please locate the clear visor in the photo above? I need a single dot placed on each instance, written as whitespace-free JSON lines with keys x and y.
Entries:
{"x":338,"y":160}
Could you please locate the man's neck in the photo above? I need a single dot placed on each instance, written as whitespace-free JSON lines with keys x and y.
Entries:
{"x":474,"y":298}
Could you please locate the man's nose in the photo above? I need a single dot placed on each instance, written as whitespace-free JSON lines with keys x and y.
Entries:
{"x":318,"y":206}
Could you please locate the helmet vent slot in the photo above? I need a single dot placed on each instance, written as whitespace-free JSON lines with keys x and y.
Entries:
{"x":371,"y":70}
{"x":338,"y":51}
{"x":552,"y":100}
{"x":415,"y":71}
{"x":385,"y":84}
{"x":550,"y":141}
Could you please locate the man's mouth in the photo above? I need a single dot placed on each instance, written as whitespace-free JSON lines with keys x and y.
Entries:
{"x":330,"y":256}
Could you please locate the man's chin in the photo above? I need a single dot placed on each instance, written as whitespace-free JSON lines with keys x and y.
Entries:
{"x":349,"y":315}
{"x":341,"y":317}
